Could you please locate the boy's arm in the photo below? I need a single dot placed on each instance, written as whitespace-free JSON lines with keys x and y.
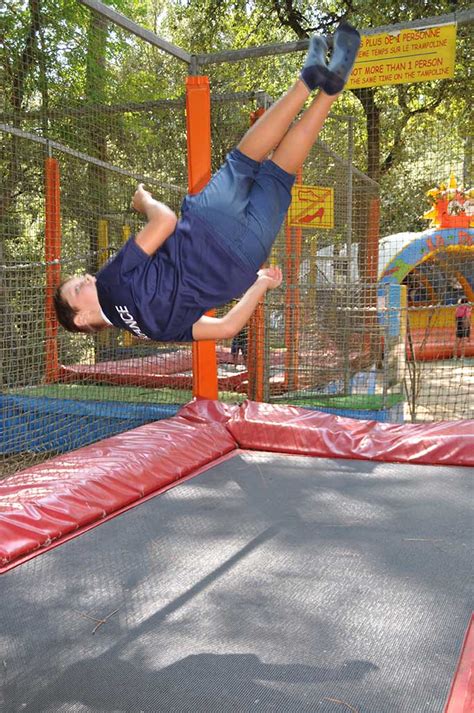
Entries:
{"x":228,"y":326}
{"x":161,"y":221}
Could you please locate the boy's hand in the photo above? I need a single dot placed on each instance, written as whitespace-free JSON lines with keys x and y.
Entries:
{"x":141,"y":198}
{"x":272,"y":276}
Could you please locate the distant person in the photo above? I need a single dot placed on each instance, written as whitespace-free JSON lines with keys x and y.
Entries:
{"x":240,"y":344}
{"x":463,"y":326}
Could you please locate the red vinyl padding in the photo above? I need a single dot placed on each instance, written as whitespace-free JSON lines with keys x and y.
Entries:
{"x":153,"y":371}
{"x":461,"y":695}
{"x":290,"y":429}
{"x":69,"y":492}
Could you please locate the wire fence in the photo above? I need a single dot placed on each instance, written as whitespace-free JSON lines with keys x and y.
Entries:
{"x":365,"y":323}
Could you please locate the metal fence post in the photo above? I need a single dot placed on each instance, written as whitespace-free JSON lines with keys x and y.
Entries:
{"x":198,"y":126}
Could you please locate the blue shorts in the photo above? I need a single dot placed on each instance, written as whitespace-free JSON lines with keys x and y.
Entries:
{"x":245,"y":202}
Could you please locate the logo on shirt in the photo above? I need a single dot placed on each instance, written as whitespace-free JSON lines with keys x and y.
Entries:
{"x":130,"y":321}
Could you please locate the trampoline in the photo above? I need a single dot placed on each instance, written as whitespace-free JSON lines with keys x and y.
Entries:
{"x":292,"y":561}
{"x":171,"y":370}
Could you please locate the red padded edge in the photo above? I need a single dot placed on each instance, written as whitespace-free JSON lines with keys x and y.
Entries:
{"x":102,"y":374}
{"x":461,"y":695}
{"x":69,"y":493}
{"x":289,"y":429}
{"x":47,"y":502}
{"x":205,"y":411}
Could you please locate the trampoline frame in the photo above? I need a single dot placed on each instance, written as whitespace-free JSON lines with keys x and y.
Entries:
{"x":53,"y":502}
{"x":47,"y":504}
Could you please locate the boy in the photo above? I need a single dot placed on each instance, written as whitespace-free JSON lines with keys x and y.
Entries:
{"x":161,"y":283}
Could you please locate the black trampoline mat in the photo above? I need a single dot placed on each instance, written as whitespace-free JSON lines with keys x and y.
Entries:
{"x":267,"y":583}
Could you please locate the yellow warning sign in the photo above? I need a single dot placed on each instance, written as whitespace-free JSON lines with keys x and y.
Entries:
{"x":413,"y":55}
{"x":311,"y":207}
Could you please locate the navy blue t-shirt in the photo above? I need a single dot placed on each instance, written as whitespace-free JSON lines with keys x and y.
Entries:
{"x":161,"y":296}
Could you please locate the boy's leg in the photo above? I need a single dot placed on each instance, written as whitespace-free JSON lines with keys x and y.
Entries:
{"x":269,"y":130}
{"x":228,"y":191}
{"x":270,"y":194}
{"x":298,"y":141}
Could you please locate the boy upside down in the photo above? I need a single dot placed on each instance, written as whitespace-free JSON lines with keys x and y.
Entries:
{"x":163,"y":280}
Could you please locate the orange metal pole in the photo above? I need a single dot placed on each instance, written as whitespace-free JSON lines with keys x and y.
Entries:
{"x":198,"y":126}
{"x":298,"y":239}
{"x":52,"y":255}
{"x":256,"y":351}
{"x":256,"y":340}
{"x":292,"y":300}
{"x":288,"y":303}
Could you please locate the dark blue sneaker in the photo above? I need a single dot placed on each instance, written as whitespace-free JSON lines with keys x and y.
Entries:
{"x":344,"y":52}
{"x":314,"y":70}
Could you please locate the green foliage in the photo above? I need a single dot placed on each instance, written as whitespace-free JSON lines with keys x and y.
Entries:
{"x":60,"y":67}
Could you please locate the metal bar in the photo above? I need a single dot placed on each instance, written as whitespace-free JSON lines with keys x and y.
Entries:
{"x":237,"y":96}
{"x":86,"y":110}
{"x":345,"y":164}
{"x":249,"y":52}
{"x":463,"y":17}
{"x":198,"y":132}
{"x":264,"y":100}
{"x":257,"y":334}
{"x":266,"y":360}
{"x":133,"y":27}
{"x":350,"y":191}
{"x":194,"y":69}
{"x":350,"y":211}
{"x":132,"y":107}
{"x":89,"y":159}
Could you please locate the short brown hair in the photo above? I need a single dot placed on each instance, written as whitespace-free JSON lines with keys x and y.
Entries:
{"x":65,"y":313}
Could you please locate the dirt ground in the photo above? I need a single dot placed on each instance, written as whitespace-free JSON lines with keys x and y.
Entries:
{"x":447,"y":391}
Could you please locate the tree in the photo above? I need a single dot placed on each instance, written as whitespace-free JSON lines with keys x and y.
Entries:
{"x":16,"y":69}
{"x":390,"y":112}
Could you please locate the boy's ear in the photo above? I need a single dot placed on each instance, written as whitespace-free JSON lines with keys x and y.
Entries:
{"x":81,"y":320}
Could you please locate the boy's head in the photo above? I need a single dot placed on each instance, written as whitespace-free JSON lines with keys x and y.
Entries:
{"x":77,"y":305}
{"x":463,"y":301}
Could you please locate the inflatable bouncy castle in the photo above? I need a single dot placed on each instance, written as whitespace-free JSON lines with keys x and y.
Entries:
{"x":437,"y":267}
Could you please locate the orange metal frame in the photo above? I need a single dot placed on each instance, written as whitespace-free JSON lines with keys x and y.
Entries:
{"x":294,"y":237}
{"x":198,"y":125}
{"x":256,"y":353}
{"x":52,"y":256}
{"x":256,"y":341}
